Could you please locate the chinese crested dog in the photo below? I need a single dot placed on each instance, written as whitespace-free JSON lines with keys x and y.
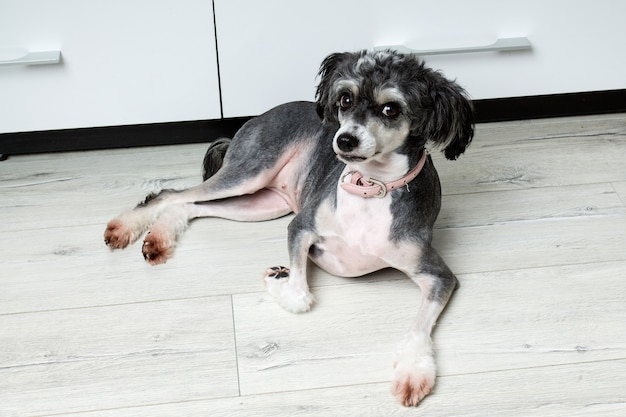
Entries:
{"x":354,"y":168}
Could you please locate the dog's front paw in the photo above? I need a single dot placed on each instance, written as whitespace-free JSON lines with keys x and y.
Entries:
{"x":157,"y":248}
{"x":118,"y":235}
{"x":276,"y":272}
{"x":294,"y":300}
{"x":415,"y":370}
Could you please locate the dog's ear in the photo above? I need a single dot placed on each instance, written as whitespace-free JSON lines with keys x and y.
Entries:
{"x":328,"y":74}
{"x":449,"y":114}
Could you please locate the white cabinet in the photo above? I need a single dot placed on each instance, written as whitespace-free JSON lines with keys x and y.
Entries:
{"x":150,"y":61}
{"x":270,"y":50}
{"x":123,"y":62}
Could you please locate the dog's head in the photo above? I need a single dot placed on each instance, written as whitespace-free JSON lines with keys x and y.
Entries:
{"x":384,"y":99}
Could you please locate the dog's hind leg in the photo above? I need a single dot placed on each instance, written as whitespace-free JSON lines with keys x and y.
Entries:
{"x":159,"y":244}
{"x":130,"y":225}
{"x":236,"y":178}
{"x":267,"y":153}
{"x":415,"y":369}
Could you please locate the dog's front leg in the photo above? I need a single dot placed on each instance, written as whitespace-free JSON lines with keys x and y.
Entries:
{"x":415,"y":369}
{"x":289,"y":286}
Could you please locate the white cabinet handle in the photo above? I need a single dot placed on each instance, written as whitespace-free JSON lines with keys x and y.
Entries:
{"x":23,"y":57}
{"x":500,"y":45}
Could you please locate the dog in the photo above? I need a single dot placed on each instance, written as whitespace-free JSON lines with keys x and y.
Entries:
{"x":354,"y":168}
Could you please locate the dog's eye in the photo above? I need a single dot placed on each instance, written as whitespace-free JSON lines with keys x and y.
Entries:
{"x":390,"y":110}
{"x":345,"y":101}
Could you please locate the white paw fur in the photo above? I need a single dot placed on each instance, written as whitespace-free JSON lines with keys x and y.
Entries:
{"x":292,"y":299}
{"x":415,"y":369}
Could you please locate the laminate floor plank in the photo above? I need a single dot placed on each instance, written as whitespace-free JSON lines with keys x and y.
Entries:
{"x":535,"y":154}
{"x":620,"y":188}
{"x":549,"y":203}
{"x":117,"y":356}
{"x":577,"y":390}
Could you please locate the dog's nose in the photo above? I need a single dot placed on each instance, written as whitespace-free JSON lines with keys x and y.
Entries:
{"x":347,"y":142}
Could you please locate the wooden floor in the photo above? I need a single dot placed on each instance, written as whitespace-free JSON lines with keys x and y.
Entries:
{"x":533,"y":222}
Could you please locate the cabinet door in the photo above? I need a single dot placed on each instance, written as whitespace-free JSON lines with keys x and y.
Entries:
{"x":270,"y":50}
{"x":123,"y":62}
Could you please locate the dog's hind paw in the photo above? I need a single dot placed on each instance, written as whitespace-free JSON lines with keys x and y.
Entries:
{"x":157,"y":248}
{"x":117,"y":235}
{"x":294,"y":300}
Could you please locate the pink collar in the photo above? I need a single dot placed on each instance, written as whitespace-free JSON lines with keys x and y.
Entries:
{"x":373,"y":188}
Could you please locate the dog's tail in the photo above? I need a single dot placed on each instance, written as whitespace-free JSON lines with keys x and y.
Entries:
{"x":214,"y":157}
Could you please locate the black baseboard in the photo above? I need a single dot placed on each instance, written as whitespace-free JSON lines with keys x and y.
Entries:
{"x":556,"y":105}
{"x":492,"y":110}
{"x":129,"y":136}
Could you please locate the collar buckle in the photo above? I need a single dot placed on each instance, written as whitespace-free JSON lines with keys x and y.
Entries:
{"x":383,"y":188}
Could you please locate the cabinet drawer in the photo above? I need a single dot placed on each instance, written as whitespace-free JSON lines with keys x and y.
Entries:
{"x":270,"y":50}
{"x":123,"y":62}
